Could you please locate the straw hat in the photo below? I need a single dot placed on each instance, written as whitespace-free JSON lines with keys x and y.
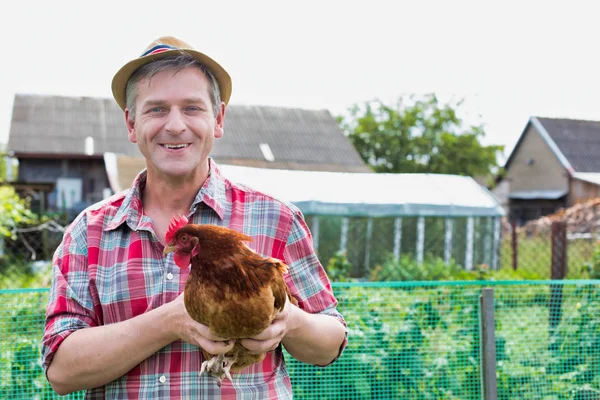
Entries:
{"x":164,"y":47}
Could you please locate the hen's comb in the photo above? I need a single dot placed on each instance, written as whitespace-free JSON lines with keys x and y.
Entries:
{"x":176,"y":223}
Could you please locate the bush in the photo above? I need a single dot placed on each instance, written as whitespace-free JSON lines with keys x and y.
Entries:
{"x":19,"y":274}
{"x":404,"y":343}
{"x":592,"y":267}
{"x":14,"y":211}
{"x":339,"y":268}
{"x":407,"y":268}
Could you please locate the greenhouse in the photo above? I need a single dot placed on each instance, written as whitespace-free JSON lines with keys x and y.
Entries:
{"x":375,"y":216}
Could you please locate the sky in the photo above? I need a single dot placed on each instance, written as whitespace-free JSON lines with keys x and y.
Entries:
{"x":508,"y":60}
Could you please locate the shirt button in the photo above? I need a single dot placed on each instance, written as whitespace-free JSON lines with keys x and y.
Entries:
{"x":162,"y":379}
{"x":169,"y":276}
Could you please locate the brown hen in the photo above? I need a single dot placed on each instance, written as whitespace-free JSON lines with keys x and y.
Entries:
{"x":231,"y":289}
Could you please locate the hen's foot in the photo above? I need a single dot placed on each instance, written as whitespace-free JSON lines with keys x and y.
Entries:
{"x":219,"y":367}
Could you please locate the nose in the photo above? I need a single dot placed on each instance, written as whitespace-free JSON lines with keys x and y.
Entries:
{"x":175,"y":122}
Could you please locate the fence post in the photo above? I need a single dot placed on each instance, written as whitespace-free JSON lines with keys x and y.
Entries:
{"x":488,"y":345}
{"x":315,"y":232}
{"x":420,"y":239}
{"x":469,"y":250}
{"x":397,"y":237}
{"x":448,"y":240}
{"x":344,"y":235}
{"x":558,"y":272}
{"x":496,"y":247}
{"x":488,"y":235}
{"x":368,"y":245}
{"x":515,"y":245}
{"x":559,"y":250}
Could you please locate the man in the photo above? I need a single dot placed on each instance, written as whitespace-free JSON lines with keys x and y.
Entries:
{"x":116,"y":322}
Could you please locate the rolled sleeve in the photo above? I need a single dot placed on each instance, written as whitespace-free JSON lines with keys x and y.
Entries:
{"x":307,"y":279}
{"x":70,"y":306}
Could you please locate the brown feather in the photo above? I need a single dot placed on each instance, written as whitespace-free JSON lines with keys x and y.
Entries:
{"x":233,"y":290}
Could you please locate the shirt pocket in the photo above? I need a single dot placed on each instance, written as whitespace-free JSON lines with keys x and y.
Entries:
{"x":127,"y":280}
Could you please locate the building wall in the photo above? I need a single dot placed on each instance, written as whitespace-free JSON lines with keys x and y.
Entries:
{"x":535,"y":166}
{"x":581,"y":191}
{"x":522,"y":211}
{"x":500,"y":192}
{"x":91,"y":172}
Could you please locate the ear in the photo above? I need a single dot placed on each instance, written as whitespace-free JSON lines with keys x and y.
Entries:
{"x":196,"y":250}
{"x":130,"y":126}
{"x":219,"y":122}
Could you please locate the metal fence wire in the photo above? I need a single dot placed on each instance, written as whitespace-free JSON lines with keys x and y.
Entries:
{"x":407,"y":340}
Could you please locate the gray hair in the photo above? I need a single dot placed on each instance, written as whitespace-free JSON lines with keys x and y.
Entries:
{"x":174,"y":63}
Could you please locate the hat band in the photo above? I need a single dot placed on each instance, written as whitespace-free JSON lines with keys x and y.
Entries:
{"x":158,"y":49}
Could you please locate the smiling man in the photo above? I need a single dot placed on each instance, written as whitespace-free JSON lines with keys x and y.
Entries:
{"x":116,"y":322}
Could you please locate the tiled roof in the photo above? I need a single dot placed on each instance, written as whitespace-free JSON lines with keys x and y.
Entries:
{"x":297,"y":138}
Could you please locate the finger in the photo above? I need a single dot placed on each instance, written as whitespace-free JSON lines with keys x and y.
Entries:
{"x":205,"y":332}
{"x":259,"y":346}
{"x":215,"y":347}
{"x":267,"y":334}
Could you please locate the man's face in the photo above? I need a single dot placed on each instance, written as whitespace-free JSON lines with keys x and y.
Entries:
{"x":175,"y":124}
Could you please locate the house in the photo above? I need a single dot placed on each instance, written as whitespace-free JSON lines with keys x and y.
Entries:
{"x":66,"y":145}
{"x":555,"y":164}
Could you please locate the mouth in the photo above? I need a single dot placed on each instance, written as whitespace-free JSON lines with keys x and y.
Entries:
{"x":175,"y":146}
{"x":169,"y":249}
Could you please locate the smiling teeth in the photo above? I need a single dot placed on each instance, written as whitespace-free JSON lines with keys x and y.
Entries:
{"x":175,"y":146}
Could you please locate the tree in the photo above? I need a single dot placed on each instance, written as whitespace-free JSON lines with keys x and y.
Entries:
{"x":419,"y":135}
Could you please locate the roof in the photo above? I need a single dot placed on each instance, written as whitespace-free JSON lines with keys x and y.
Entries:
{"x":538,"y":194}
{"x":60,"y":125}
{"x":296,"y":138}
{"x":576,"y":143}
{"x":375,"y":195}
{"x":591,"y":177}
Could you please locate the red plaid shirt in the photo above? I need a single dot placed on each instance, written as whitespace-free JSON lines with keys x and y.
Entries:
{"x":110,"y":267}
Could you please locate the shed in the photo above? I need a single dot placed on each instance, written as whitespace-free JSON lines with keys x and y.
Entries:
{"x":372,"y":216}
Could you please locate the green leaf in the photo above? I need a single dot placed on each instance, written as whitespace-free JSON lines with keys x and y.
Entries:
{"x":418,"y":135}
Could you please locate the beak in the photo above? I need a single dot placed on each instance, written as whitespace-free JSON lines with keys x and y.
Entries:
{"x":169,"y":249}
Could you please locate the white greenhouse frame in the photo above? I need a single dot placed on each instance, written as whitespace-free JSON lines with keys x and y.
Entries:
{"x":369,"y":195}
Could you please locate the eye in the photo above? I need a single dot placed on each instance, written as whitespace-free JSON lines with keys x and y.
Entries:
{"x":184,"y":238}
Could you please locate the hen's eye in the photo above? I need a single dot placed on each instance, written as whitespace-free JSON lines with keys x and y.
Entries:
{"x":184,"y":238}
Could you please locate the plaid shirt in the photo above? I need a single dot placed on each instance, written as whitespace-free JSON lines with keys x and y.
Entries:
{"x":110,"y":267}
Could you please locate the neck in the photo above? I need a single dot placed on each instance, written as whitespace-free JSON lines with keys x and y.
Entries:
{"x":172,"y":195}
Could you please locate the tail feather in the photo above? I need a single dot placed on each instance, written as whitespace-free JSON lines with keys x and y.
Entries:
{"x":281,"y":266}
{"x":279,"y":287}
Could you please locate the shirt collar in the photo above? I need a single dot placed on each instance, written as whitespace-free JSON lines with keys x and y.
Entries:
{"x":212,"y":193}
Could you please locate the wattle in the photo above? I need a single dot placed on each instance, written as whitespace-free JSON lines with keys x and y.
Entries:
{"x":182,"y":260}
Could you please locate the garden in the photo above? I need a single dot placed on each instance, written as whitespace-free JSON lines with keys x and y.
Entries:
{"x":414,"y":325}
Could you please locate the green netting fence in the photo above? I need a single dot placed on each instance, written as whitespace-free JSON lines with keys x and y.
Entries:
{"x":407,"y":340}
